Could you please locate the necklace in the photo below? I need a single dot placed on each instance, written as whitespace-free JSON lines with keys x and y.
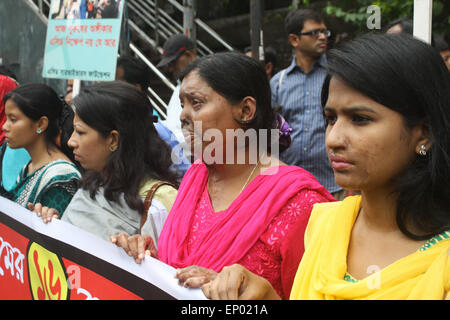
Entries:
{"x":248,"y":179}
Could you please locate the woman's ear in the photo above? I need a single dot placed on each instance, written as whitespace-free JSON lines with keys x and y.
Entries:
{"x":246,"y":111}
{"x":42,"y":124}
{"x":423,"y":143}
{"x":113,"y":140}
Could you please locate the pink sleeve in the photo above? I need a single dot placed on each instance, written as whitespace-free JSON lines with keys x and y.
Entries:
{"x":292,"y":248}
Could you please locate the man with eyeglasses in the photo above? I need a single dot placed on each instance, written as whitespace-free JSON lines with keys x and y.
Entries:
{"x":297,"y":90}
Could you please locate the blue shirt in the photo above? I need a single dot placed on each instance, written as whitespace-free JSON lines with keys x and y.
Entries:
{"x":180,"y":163}
{"x":299,"y":96}
{"x":13,"y":162}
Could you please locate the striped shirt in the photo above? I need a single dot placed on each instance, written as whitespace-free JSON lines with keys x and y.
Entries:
{"x":299,"y":96}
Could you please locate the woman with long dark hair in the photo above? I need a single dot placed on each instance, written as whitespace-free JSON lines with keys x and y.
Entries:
{"x":34,"y":115}
{"x":388,"y":122}
{"x":115,"y":141}
{"x":237,"y":203}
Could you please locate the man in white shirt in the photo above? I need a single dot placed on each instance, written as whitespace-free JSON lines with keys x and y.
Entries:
{"x":179,"y":52}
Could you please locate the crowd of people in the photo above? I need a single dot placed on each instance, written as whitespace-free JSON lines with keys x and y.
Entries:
{"x":85,"y":9}
{"x":325,"y":180}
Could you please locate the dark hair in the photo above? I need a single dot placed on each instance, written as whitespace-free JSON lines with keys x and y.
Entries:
{"x":419,"y":89}
{"x":7,"y":72}
{"x":440,"y":44}
{"x":135,"y":71}
{"x":270,"y":54}
{"x":141,"y":153}
{"x":36,"y":100}
{"x":405,"y":23}
{"x":110,"y":10}
{"x":235,"y":76}
{"x":295,"y":20}
{"x":65,"y":125}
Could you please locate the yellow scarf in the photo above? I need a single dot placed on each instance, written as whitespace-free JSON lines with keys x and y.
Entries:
{"x":421,"y":275}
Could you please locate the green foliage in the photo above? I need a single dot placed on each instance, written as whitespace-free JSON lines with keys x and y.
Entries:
{"x":355,"y":13}
{"x":353,"y":16}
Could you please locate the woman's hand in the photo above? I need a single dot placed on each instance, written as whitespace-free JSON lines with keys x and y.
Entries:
{"x":195,"y":276}
{"x":136,"y":246}
{"x":46,"y":213}
{"x":237,"y":283}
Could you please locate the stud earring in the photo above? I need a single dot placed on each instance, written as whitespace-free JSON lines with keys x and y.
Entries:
{"x":423,"y":150}
{"x":39,"y":131}
{"x":112,"y":149}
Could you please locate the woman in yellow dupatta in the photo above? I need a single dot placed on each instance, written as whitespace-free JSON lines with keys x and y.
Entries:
{"x":323,"y":273}
{"x":387,"y":136}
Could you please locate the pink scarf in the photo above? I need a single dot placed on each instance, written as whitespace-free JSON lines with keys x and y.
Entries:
{"x":241,"y":224}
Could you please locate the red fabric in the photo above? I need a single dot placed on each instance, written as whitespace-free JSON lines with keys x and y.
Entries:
{"x":293,"y":248}
{"x":278,"y":251}
{"x":252,"y":231}
{"x":6,"y":85}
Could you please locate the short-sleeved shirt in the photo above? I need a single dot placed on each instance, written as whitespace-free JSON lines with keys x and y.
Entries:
{"x":299,"y":95}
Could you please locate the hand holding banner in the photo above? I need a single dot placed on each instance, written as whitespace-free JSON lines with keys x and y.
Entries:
{"x":60,"y":261}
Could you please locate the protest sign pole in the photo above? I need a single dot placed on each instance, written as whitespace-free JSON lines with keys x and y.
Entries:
{"x":423,"y":15}
{"x":190,"y":11}
{"x":76,"y":87}
{"x":256,"y":27}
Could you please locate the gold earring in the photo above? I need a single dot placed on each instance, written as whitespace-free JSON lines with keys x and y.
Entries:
{"x":246,"y":122}
{"x":112,"y":149}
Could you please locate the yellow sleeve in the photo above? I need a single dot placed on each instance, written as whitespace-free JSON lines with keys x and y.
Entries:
{"x":447,"y":279}
{"x":166,"y":195}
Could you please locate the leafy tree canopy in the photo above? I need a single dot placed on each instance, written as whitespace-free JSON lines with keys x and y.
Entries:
{"x":355,"y":13}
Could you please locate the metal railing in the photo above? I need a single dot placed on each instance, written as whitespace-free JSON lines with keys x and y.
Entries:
{"x":163,"y":25}
{"x":203,"y":26}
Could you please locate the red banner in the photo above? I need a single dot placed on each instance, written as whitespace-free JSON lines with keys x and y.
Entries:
{"x":36,"y":265}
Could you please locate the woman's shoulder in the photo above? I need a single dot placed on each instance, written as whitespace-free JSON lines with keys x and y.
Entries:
{"x":326,"y":207}
{"x":59,"y":170}
{"x":295,"y":176}
{"x":329,"y":208}
{"x":285,"y":170}
{"x":61,"y":167}
{"x":322,"y":212}
{"x":150,"y":183}
{"x":165,"y":193}
{"x":55,"y":171}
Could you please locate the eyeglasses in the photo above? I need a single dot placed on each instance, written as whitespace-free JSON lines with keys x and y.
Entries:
{"x":316,"y":33}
